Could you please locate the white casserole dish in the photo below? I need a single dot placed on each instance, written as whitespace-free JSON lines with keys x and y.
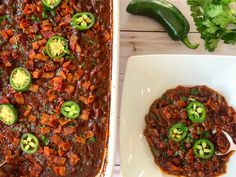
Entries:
{"x":109,"y":157}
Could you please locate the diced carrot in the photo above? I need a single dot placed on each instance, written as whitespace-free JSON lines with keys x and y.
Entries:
{"x":60,"y":171}
{"x":85,"y":114}
{"x":47,"y":75}
{"x":46,"y":151}
{"x":73,"y":159}
{"x":19,"y":98}
{"x":45,"y":130}
{"x":32,"y":118}
{"x":79,"y":73}
{"x":69,"y":89}
{"x":69,"y":130}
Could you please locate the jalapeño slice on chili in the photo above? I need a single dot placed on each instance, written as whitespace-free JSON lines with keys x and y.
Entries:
{"x":178,"y":132}
{"x":57,"y":47}
{"x":83,"y":21}
{"x":8,"y":114}
{"x":196,"y":112}
{"x":29,"y":143}
{"x":70,"y":109}
{"x":51,"y":4}
{"x":203,"y":148}
{"x":20,"y":79}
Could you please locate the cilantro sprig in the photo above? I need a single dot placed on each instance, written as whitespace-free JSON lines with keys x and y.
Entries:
{"x":215,"y":20}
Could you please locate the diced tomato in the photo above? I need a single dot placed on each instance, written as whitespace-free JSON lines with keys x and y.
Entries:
{"x":4,"y":100}
{"x":79,"y":73}
{"x":73,"y":40}
{"x":32,"y":118}
{"x":61,"y":152}
{"x":57,"y":83}
{"x":50,"y":120}
{"x":88,"y":134}
{"x":65,"y":146}
{"x":46,"y":151}
{"x":73,"y":159}
{"x":29,"y":65}
{"x":70,"y":78}
{"x":41,"y":57}
{"x":90,"y":99}
{"x":57,"y":160}
{"x":63,"y":121}
{"x":58,"y":129}
{"x":37,"y":169}
{"x":69,"y":89}
{"x":47,"y":33}
{"x":60,"y":170}
{"x":69,"y":130}
{"x":80,"y":140}
{"x":34,"y":88}
{"x":51,"y":95}
{"x":19,"y":98}
{"x":36,"y":74}
{"x":47,"y":75}
{"x":66,"y":64}
{"x":35,"y":45}
{"x":56,"y":139}
{"x":45,"y":130}
{"x":24,"y":24}
{"x":4,"y":34}
{"x":65,"y":20}
{"x":85,"y":114}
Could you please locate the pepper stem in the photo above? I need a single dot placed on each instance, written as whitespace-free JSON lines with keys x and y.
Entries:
{"x":186,"y":41}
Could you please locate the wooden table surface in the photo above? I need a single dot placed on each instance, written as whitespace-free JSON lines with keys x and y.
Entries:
{"x":140,"y":35}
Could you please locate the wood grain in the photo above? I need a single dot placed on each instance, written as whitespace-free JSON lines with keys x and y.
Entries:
{"x":138,"y":23}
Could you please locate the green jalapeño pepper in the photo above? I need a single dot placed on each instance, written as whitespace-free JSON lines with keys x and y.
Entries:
{"x":166,"y":14}
{"x":178,"y":132}
{"x":57,"y":47}
{"x":70,"y":109}
{"x":51,"y":4}
{"x":203,"y":148}
{"x":8,"y":114}
{"x":29,"y":143}
{"x":20,"y":79}
{"x":83,"y":21}
{"x":196,"y":112}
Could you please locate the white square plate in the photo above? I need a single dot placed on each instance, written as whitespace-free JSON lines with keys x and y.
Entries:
{"x":146,"y":79}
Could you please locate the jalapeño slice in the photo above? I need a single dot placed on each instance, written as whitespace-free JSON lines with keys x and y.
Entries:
{"x":83,"y":21}
{"x":70,"y":109}
{"x":57,"y":47}
{"x":20,"y":79}
{"x":196,"y":112}
{"x":51,"y":4}
{"x":203,"y":148}
{"x":8,"y":114}
{"x":178,"y":132}
{"x":29,"y":143}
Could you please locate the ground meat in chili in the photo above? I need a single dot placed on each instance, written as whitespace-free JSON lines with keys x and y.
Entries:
{"x":177,"y":157}
{"x":67,"y":147}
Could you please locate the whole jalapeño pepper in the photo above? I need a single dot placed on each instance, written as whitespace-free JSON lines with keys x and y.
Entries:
{"x":167,"y":15}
